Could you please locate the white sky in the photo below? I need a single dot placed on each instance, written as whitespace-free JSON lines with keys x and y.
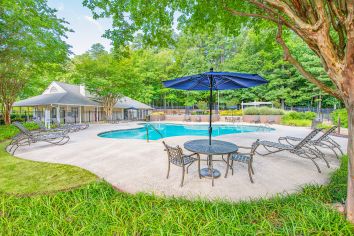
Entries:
{"x":87,"y":31}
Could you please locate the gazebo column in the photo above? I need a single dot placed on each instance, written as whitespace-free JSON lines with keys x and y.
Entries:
{"x":97,"y":114}
{"x":58,"y":114}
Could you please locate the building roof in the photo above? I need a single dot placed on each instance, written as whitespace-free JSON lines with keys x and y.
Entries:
{"x":56,"y":99}
{"x":68,"y":94}
{"x":128,"y":103}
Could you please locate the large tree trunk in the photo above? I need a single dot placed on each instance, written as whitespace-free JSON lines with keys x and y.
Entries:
{"x":350,"y":190}
{"x":7,"y":113}
{"x":108,"y":103}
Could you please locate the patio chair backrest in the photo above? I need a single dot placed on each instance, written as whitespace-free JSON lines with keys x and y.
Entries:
{"x":254,"y":147}
{"x":23,"y":129}
{"x":174,"y":153}
{"x":326,"y":134}
{"x":307,"y":138}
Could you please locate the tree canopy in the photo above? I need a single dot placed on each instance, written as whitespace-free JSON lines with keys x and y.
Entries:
{"x":31,"y":39}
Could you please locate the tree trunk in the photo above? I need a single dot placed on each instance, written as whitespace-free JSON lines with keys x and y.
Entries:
{"x":350,"y":189}
{"x":7,"y":113}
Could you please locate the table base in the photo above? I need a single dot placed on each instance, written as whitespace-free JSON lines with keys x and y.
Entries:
{"x":207,"y":173}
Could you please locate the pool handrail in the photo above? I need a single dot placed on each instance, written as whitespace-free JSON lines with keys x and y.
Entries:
{"x":147,"y":131}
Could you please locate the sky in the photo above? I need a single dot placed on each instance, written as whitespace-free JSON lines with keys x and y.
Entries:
{"x":87,"y":31}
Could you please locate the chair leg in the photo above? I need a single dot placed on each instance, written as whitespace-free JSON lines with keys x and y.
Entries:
{"x":212,"y":174}
{"x":168,"y":170}
{"x":251,"y":165}
{"x":232,"y":167}
{"x":318,"y":168}
{"x":199,"y":167}
{"x":250,"y":171}
{"x":227,"y":165}
{"x":182,"y":176}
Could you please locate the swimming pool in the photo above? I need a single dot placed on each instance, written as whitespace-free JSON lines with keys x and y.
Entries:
{"x":169,"y":130}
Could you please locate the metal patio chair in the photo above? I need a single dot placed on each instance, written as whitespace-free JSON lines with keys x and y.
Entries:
{"x":324,"y":141}
{"x":71,"y":127}
{"x":243,"y":157}
{"x":302,"y":149}
{"x":176,"y":157}
{"x":27,"y":137}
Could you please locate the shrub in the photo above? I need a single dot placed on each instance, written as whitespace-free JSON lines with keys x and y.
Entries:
{"x":158,"y":113}
{"x":296,"y":122}
{"x":262,"y":111}
{"x":294,"y":115}
{"x":342,"y":114}
{"x":8,"y":131}
{"x":230,"y":112}
{"x":294,"y":118}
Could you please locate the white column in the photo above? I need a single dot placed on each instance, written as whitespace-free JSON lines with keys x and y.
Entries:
{"x":34,"y":113}
{"x":80,"y":115}
{"x":47,"y":117}
{"x":97,"y":114}
{"x":58,"y":114}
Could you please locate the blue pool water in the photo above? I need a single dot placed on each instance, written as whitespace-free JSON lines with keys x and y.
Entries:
{"x":170,"y":130}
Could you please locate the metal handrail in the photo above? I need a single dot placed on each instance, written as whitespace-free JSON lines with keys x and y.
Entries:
{"x":147,"y":131}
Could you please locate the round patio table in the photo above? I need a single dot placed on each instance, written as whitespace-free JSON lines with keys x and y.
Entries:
{"x":217,"y":147}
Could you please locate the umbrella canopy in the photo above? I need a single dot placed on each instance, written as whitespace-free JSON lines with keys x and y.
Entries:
{"x":215,"y":81}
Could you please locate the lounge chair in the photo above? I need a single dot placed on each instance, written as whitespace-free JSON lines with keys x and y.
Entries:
{"x":324,"y":141}
{"x":187,"y":118}
{"x":243,"y":157}
{"x":271,"y":120}
{"x":42,"y":128}
{"x":301,"y":149}
{"x":71,"y":127}
{"x":27,"y":137}
{"x":176,"y":157}
{"x":256,"y":120}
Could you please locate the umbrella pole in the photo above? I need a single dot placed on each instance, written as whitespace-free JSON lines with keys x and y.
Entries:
{"x":210,"y":105}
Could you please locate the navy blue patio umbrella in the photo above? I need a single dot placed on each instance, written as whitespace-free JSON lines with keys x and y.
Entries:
{"x":215,"y":81}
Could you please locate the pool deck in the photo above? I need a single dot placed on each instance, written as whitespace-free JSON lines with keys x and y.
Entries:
{"x":137,"y":166}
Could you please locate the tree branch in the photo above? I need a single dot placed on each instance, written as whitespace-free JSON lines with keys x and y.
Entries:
{"x":288,"y":57}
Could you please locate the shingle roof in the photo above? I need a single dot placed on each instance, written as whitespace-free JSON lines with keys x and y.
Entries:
{"x":57,"y":99}
{"x":72,"y":96}
{"x":126,"y":103}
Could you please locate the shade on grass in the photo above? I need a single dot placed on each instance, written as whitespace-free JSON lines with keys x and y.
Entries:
{"x":97,"y":209}
{"x":18,"y":176}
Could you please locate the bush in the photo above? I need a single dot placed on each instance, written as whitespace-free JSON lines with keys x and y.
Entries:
{"x":158,"y":113}
{"x":296,"y":122}
{"x":8,"y":131}
{"x":294,"y":115}
{"x":342,"y":114}
{"x":230,"y":112}
{"x":262,"y":111}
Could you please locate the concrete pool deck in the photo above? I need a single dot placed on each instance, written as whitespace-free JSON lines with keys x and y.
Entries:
{"x":137,"y":166}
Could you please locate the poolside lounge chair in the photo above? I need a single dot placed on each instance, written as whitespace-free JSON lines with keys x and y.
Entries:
{"x":243,"y":157}
{"x":271,"y":120}
{"x":27,"y":137}
{"x":256,"y":120}
{"x":324,"y":141}
{"x":301,"y":149}
{"x":71,"y":127}
{"x":42,"y":128}
{"x":176,"y":157}
{"x":187,"y":118}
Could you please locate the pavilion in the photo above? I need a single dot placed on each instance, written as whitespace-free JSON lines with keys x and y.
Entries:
{"x":68,"y":103}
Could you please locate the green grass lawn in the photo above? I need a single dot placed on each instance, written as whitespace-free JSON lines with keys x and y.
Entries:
{"x":98,"y":209}
{"x":18,"y":176}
